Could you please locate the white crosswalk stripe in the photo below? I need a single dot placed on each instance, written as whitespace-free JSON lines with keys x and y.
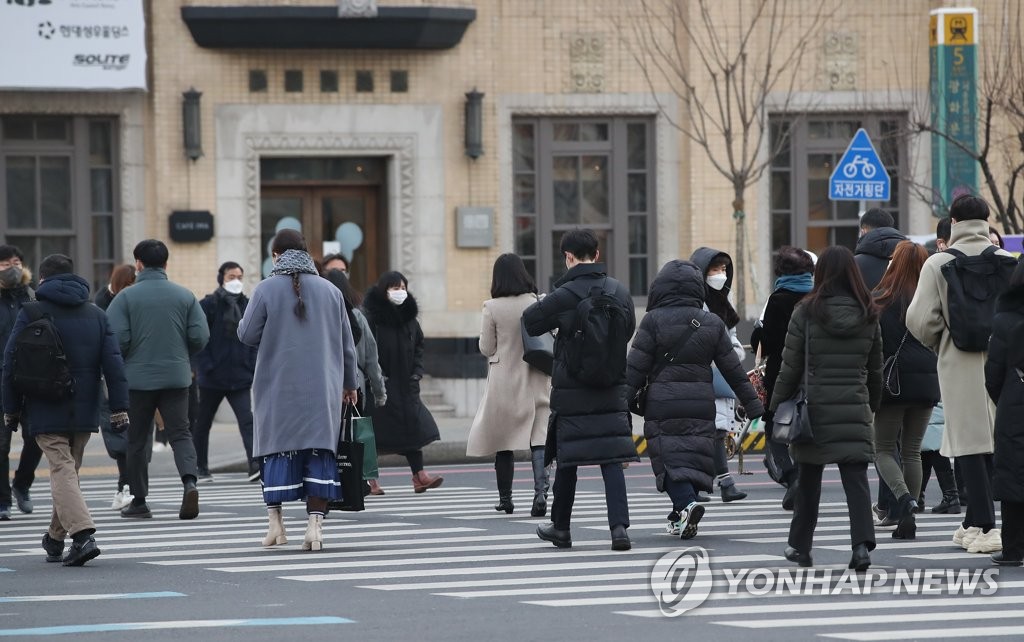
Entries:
{"x":451,"y":544}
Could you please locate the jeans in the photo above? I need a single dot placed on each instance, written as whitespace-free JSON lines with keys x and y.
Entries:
{"x":173,"y":406}
{"x":614,"y":495}
{"x":26,"y":472}
{"x":906,"y":423}
{"x":209,"y":401}
{"x":808,"y":498}
{"x":64,"y":453}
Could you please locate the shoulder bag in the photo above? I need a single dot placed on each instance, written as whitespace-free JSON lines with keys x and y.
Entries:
{"x":891,"y":372}
{"x":792,"y":422}
{"x":638,"y":404}
{"x":539,"y":351}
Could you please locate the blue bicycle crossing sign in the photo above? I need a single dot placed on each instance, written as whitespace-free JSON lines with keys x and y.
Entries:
{"x":859,"y":175}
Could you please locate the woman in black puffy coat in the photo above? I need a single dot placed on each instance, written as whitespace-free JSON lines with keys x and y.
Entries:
{"x":1004,"y":380}
{"x":679,"y":419}
{"x":910,"y":386}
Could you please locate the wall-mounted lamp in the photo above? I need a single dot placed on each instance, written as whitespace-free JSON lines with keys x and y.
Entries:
{"x":474,"y":124}
{"x":191,"y":117}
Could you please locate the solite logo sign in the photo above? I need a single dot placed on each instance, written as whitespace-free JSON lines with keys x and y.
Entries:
{"x":103,"y":61}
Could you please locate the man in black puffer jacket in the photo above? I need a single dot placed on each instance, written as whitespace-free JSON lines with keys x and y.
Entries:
{"x":876,"y":244}
{"x":589,"y":426}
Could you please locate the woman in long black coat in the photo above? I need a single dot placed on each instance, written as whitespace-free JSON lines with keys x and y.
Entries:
{"x":1004,"y":380}
{"x":403,"y":425}
{"x":679,"y":419}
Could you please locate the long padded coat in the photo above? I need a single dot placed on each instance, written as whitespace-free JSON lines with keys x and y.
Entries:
{"x":844,"y":387}
{"x":1005,"y":353}
{"x":680,"y":415}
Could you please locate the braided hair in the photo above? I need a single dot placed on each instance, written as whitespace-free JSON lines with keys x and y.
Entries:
{"x":291,"y":240}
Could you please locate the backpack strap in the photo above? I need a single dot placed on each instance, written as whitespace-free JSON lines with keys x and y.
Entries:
{"x":957,"y":253}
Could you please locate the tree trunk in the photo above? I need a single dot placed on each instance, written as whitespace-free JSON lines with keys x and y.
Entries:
{"x":739,"y":259}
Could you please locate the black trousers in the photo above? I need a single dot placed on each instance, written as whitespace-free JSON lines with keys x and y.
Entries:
{"x":26,"y":472}
{"x":981,"y":509}
{"x":209,"y":401}
{"x":614,"y":495}
{"x":808,"y":498}
{"x":1013,"y":530}
{"x":173,"y":407}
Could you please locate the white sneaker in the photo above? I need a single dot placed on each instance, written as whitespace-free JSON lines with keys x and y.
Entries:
{"x":964,"y":536}
{"x":122,"y":498}
{"x":159,"y":447}
{"x":990,"y":542}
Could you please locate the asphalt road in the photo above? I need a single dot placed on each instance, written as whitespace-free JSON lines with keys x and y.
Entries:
{"x":446,"y":566}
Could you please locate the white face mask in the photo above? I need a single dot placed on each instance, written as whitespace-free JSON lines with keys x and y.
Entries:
{"x":398,"y":297}
{"x":233,"y":287}
{"x":717,"y":281}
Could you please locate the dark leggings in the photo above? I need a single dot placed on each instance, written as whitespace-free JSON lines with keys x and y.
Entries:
{"x":415,"y":458}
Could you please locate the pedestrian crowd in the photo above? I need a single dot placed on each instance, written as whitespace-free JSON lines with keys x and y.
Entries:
{"x":885,"y":355}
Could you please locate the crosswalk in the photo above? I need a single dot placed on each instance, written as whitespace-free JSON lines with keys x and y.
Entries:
{"x":449,"y":544}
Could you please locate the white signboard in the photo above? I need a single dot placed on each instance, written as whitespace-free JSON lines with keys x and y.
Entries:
{"x":72,"y":44}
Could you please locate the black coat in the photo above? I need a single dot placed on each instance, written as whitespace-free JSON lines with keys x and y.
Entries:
{"x":10,"y":305}
{"x":225,"y":363}
{"x":588,"y":425}
{"x":916,"y":376}
{"x":873,"y":252}
{"x":772,"y":337}
{"x":91,"y":350}
{"x":680,"y":414}
{"x":1005,"y":353}
{"x":404,"y":423}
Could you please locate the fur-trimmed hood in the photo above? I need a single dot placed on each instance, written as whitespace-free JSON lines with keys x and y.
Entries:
{"x":381,"y":311}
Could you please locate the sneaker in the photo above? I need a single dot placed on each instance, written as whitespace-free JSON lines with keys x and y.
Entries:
{"x":23,"y":499}
{"x":122,"y":498}
{"x":687,"y":525}
{"x":54,"y":549}
{"x":675,"y":524}
{"x":82,"y":552}
{"x":5,"y":513}
{"x":204,"y":478}
{"x":964,"y":536}
{"x":159,"y":447}
{"x":990,"y":542}
{"x":880,"y":512}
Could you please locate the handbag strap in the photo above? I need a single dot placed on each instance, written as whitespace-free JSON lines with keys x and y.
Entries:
{"x":1020,"y":373}
{"x":896,"y":354}
{"x":667,"y":358}
{"x":807,"y":350}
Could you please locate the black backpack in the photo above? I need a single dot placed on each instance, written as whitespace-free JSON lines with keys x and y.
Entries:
{"x":595,"y":353}
{"x":973,"y":285}
{"x":40,"y":368}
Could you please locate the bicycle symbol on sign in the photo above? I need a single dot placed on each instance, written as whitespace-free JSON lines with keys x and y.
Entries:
{"x":866,"y":168}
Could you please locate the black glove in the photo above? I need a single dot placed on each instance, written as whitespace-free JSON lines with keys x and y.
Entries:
{"x":118,"y":421}
{"x":11,"y":422}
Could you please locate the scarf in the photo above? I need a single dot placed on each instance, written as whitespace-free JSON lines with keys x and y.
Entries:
{"x":802,"y":283}
{"x":232,"y":306}
{"x":294,"y":262}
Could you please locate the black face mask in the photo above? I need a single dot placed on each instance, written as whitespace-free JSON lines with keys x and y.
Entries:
{"x":11,"y":277}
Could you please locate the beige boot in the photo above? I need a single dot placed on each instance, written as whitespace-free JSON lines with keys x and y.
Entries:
{"x":314,"y":540}
{"x":275,"y":533}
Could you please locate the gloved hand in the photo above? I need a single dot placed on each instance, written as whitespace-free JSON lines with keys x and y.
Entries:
{"x":11,"y":422}
{"x":119,"y":421}
{"x":380,"y":401}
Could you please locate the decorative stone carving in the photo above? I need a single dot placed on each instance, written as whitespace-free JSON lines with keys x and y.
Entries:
{"x":357,"y":8}
{"x":586,"y":62}
{"x":840,"y":61}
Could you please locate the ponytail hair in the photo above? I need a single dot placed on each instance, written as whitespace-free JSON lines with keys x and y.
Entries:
{"x":300,"y":307}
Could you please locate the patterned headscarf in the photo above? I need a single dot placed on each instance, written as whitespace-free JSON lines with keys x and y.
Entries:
{"x":294,"y":262}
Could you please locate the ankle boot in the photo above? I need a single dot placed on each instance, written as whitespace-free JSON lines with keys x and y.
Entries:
{"x":950,"y":504}
{"x":731,"y":494}
{"x":907,"y":528}
{"x":421,"y":481}
{"x":907,"y":506}
{"x":314,"y":540}
{"x":503,"y":472}
{"x":541,"y":483}
{"x":860,"y":561}
{"x":275,"y":532}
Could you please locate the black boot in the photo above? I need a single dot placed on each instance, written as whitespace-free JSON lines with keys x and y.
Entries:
{"x":950,"y":503}
{"x":907,"y":528}
{"x":802,"y":559}
{"x":504,"y":464}
{"x":860,"y":561}
{"x":907,"y":506}
{"x":560,"y":538}
{"x":541,"y":484}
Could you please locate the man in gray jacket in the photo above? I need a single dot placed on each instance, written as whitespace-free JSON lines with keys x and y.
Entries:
{"x":159,"y":326}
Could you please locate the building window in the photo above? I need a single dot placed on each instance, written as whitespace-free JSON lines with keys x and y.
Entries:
{"x":584,"y":173}
{"x":293,"y":80}
{"x":809,"y":148}
{"x":364,"y":81}
{"x":257,"y":80}
{"x":399,"y":81}
{"x":59,"y":191}
{"x":328,"y":81}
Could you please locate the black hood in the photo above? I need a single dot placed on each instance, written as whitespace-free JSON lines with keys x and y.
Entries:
{"x":383,"y":312}
{"x":582,"y":269}
{"x":880,"y":242}
{"x":69,"y":290}
{"x":702,"y":258}
{"x":679,"y":283}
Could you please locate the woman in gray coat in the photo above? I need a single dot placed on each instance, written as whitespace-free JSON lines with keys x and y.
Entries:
{"x":305,"y":370}
{"x":838,"y":324}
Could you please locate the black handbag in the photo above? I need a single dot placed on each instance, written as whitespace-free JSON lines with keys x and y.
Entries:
{"x":638,"y":404}
{"x":792,"y":421}
{"x":539,"y":351}
{"x":350,"y":468}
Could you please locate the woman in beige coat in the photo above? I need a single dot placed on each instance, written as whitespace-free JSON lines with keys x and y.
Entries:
{"x":513,"y":414}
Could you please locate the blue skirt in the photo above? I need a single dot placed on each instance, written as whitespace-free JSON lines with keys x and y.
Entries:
{"x":300,"y":474}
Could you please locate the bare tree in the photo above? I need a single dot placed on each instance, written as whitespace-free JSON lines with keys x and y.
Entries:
{"x":724,"y":60}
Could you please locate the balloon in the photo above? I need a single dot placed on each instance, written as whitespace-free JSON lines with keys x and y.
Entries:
{"x":268,"y":265}
{"x":350,"y":237}
{"x":288,"y":223}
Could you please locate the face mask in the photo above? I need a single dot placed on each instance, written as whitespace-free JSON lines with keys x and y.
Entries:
{"x":717,"y":281}
{"x":233,"y":287}
{"x":397,"y":297}
{"x":10,"y":277}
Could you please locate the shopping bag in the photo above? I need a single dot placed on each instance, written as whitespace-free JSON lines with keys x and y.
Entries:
{"x":362,"y":427}
{"x":350,"y":468}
